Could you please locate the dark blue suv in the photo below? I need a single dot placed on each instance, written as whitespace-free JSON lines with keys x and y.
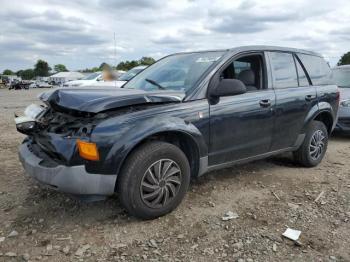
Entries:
{"x":187,"y":114}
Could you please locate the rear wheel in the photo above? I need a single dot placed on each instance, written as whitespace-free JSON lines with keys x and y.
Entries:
{"x":154,"y":180}
{"x":314,"y":147}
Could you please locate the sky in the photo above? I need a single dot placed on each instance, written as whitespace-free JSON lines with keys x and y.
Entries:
{"x":80,"y":34}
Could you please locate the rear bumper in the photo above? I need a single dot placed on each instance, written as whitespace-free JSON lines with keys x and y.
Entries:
{"x":73,"y":180}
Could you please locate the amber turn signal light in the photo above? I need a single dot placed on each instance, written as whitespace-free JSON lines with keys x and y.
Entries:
{"x":88,"y":150}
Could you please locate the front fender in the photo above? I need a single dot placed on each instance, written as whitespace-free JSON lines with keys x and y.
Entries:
{"x":116,"y":141}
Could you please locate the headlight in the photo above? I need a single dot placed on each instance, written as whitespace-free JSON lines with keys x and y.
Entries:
{"x":33,"y":111}
{"x":345,"y":103}
{"x":27,"y":124}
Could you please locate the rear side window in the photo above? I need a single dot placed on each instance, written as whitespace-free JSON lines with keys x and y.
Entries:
{"x":303,"y":81}
{"x":284,"y":73}
{"x":317,"y":68}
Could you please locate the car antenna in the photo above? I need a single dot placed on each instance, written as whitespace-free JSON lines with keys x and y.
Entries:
{"x":115,"y":57}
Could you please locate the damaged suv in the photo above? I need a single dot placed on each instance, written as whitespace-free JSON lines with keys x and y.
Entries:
{"x":187,"y":114}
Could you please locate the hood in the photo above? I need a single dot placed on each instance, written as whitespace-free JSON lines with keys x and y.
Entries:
{"x":93,"y":100}
{"x":344,"y":93}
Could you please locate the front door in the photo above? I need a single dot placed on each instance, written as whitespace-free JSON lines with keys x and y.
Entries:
{"x":241,"y":126}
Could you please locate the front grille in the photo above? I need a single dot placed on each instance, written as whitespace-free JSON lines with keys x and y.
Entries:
{"x":65,"y":124}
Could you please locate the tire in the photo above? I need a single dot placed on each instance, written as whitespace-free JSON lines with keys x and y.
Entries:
{"x":314,"y":147}
{"x":139,"y":188}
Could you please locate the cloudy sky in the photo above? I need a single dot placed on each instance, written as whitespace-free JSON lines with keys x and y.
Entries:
{"x":80,"y":33}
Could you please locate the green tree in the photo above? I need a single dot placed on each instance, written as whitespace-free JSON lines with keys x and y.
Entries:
{"x":26,"y":74}
{"x":41,"y":68}
{"x":345,"y":59}
{"x":8,"y":72}
{"x":147,"y":60}
{"x":127,"y":65}
{"x":60,"y":68}
{"x":104,"y":66}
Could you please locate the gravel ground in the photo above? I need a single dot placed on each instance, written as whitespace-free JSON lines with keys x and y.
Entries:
{"x":268,"y":196}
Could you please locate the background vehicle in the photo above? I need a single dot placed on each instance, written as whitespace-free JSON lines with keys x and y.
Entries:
{"x":88,"y":80}
{"x":94,"y":79}
{"x":121,"y":80}
{"x":19,"y":84}
{"x":341,"y":76}
{"x":181,"y":117}
{"x":43,"y":84}
{"x":128,"y":75}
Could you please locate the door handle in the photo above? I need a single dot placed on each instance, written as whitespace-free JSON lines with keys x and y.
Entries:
{"x":265,"y":103}
{"x":310,"y":97}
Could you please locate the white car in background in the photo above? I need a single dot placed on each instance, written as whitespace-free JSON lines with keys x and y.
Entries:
{"x":86,"y":81}
{"x":123,"y":78}
{"x":93,"y":79}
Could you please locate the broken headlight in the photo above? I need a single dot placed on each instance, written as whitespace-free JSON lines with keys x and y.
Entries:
{"x":28,"y":123}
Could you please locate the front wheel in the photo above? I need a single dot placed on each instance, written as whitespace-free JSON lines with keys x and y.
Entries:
{"x":314,"y":147}
{"x":154,"y":180}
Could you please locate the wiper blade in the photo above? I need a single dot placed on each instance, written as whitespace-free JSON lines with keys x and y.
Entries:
{"x":155,"y":83}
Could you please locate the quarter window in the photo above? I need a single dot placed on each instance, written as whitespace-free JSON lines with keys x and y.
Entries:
{"x":317,"y":68}
{"x":284,"y":74}
{"x":303,"y":81}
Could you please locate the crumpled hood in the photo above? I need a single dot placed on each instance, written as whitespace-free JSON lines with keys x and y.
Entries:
{"x":97,"y":100}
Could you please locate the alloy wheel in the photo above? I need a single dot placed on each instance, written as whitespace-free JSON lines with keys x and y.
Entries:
{"x":317,"y":144}
{"x":160,"y":183}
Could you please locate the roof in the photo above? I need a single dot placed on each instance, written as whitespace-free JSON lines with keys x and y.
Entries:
{"x":262,"y":48}
{"x":68,"y":74}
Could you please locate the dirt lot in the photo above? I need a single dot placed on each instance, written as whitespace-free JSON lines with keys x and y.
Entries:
{"x":268,"y":196}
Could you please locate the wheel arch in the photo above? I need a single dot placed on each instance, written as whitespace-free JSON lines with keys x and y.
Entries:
{"x":185,"y":141}
{"x":176,"y":131}
{"x":324,"y":115}
{"x":327,"y":119}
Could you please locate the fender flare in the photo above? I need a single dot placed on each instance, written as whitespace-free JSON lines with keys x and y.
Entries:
{"x":317,"y":110}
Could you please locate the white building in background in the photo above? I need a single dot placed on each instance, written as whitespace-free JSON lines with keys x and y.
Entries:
{"x":63,"y":77}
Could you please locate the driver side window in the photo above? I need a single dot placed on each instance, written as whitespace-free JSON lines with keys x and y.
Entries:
{"x":248,"y":69}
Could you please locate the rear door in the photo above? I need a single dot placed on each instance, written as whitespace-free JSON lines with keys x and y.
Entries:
{"x":295,"y":97}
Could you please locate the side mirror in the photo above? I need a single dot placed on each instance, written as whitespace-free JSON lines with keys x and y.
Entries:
{"x":229,"y":87}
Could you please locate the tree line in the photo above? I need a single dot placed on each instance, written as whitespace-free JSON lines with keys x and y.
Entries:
{"x":42,"y":68}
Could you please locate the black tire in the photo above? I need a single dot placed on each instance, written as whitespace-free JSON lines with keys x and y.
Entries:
{"x":306,"y":155}
{"x":140,"y":171}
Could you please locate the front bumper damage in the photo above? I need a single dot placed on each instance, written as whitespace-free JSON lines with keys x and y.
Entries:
{"x":68,"y":179}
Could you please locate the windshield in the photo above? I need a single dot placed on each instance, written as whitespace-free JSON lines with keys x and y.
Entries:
{"x":91,"y":76}
{"x":130,"y":74}
{"x":342,"y":77}
{"x":176,"y":72}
